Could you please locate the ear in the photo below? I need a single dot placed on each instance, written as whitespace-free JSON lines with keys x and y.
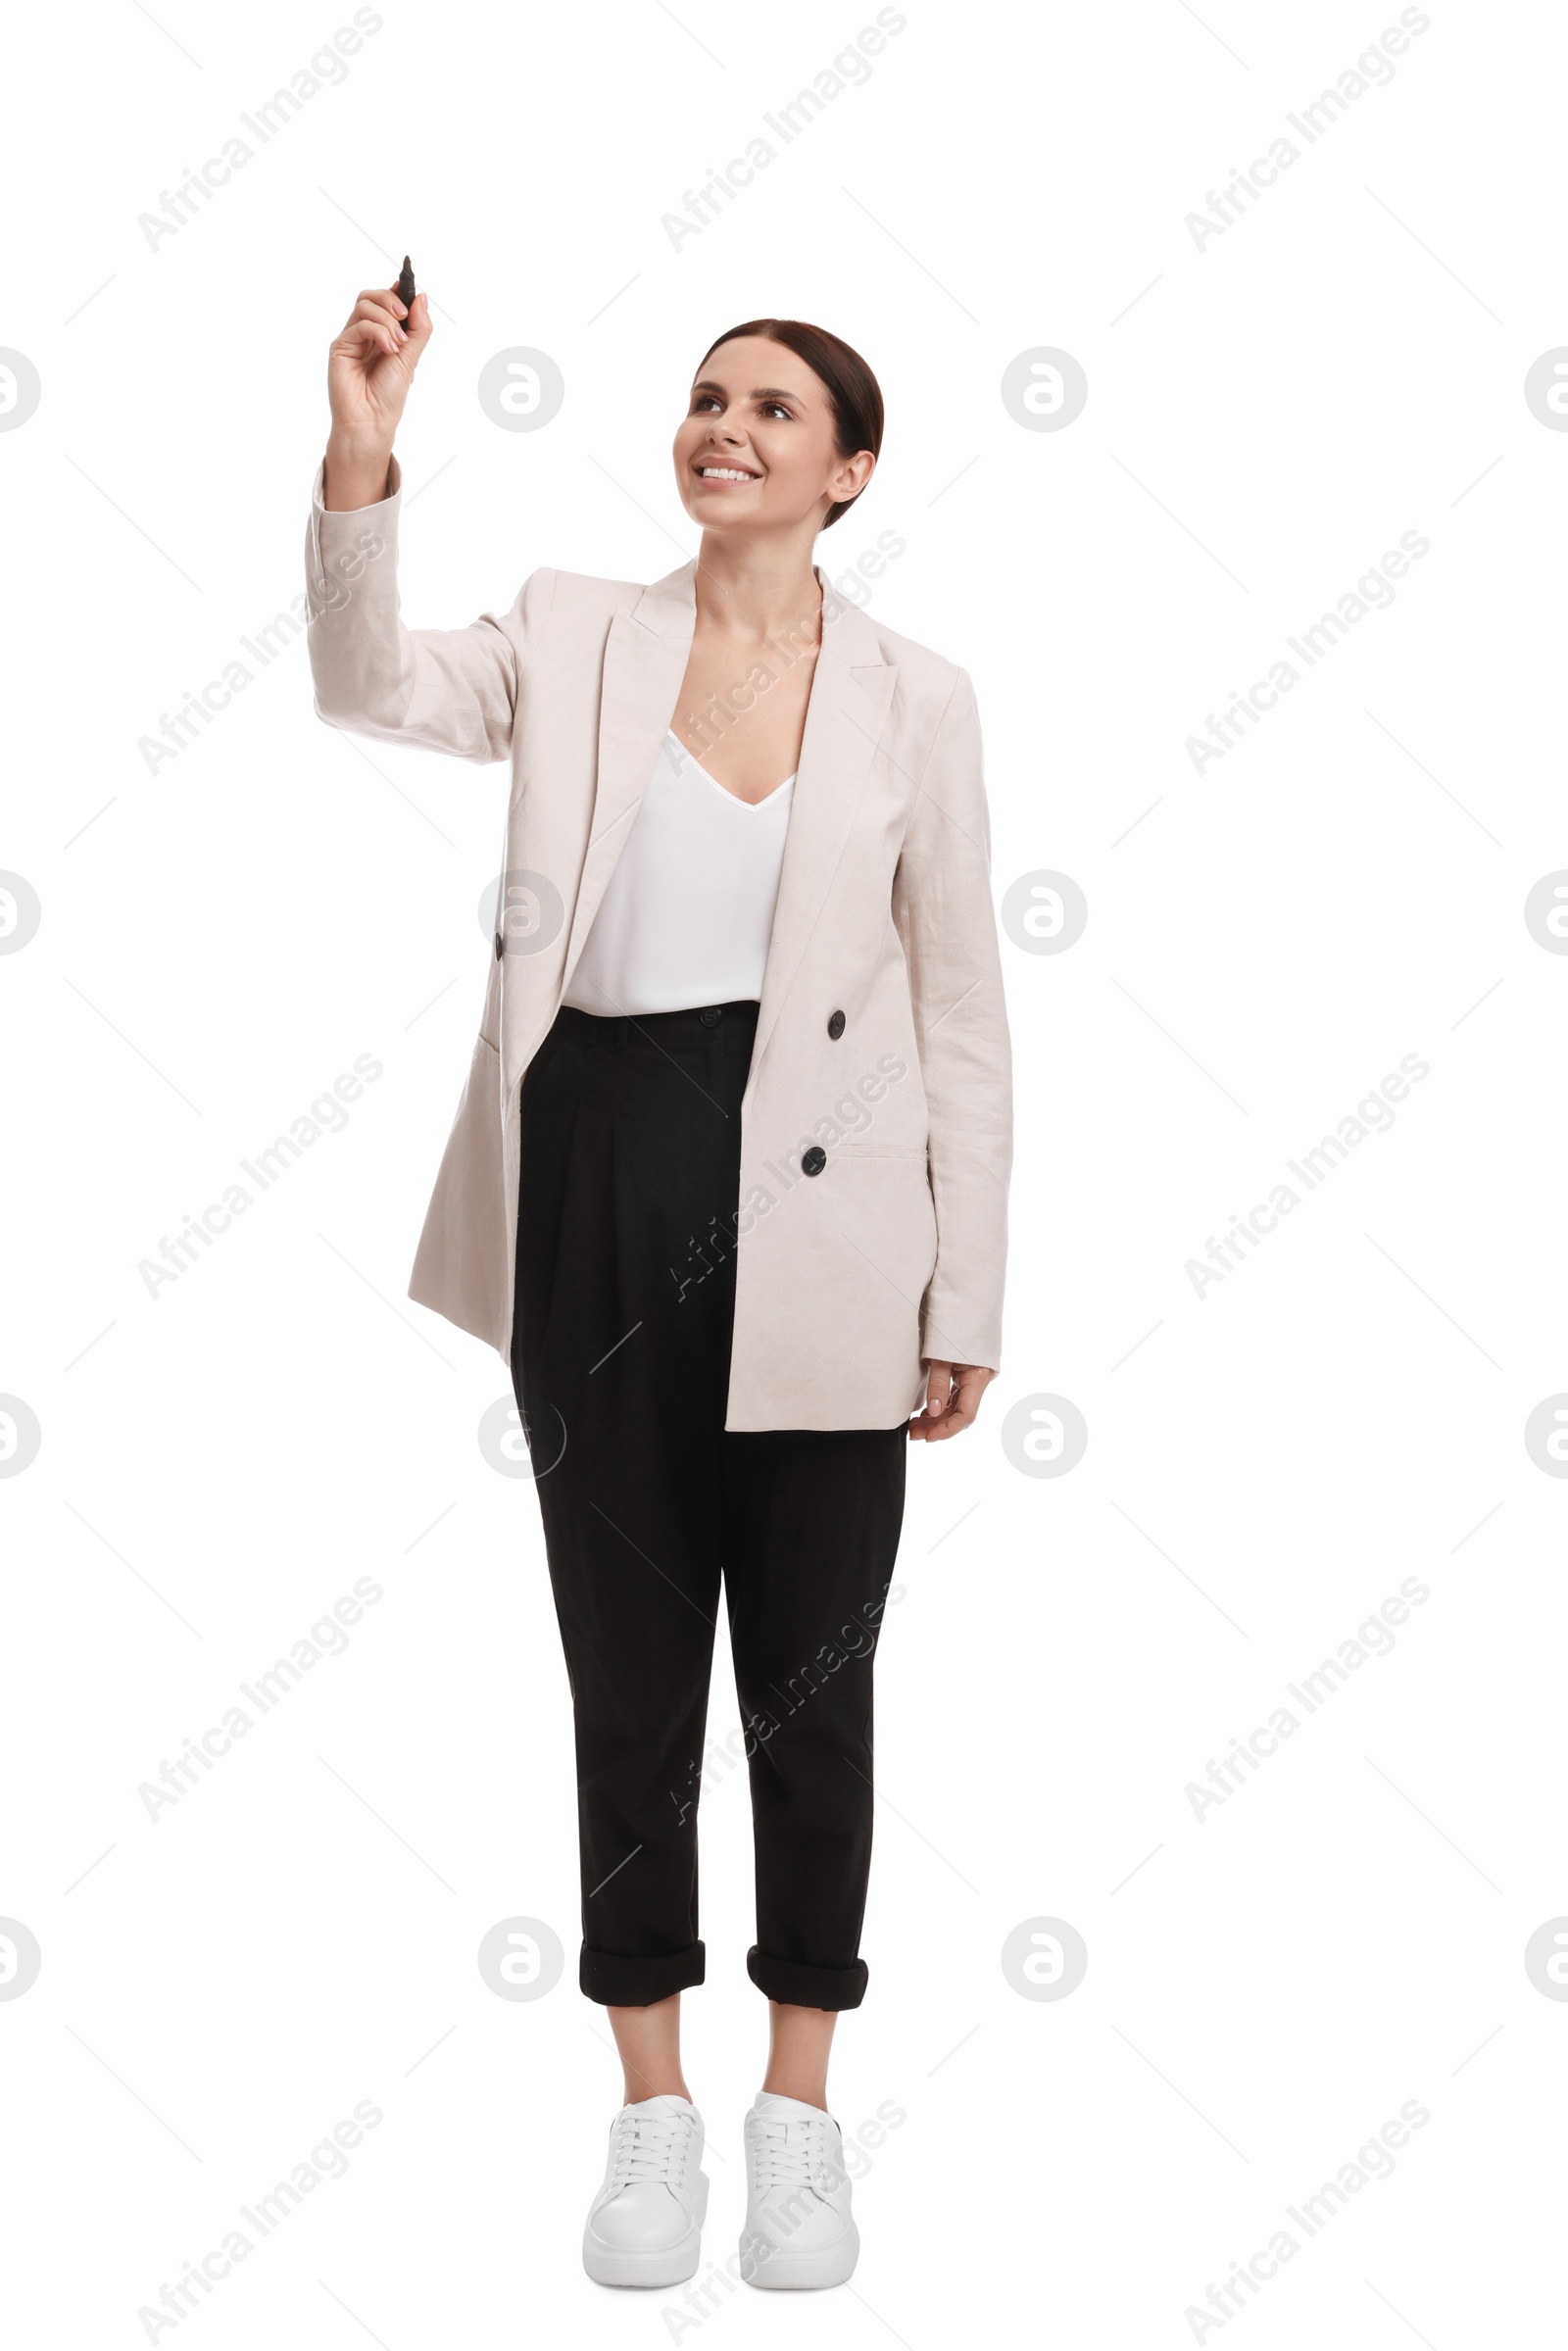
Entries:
{"x":851,"y":475}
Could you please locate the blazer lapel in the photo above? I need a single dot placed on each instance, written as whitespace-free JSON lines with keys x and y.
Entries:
{"x":645,"y":660}
{"x":848,"y":703}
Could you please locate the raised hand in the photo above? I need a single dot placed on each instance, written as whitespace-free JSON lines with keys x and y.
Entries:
{"x":368,"y":370}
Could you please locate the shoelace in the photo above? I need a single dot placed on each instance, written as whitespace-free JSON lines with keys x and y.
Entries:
{"x":652,"y":2146}
{"x":791,"y":2152}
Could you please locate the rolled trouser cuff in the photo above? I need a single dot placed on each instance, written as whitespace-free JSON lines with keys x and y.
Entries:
{"x":803,"y":1987}
{"x":616,"y":1980}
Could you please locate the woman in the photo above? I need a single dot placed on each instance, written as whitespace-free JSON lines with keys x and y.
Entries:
{"x":726,"y":1188}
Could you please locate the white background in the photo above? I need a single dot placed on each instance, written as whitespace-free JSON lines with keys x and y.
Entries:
{"x":1267,"y":1985}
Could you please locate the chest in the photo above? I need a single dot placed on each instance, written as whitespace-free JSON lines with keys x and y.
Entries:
{"x":741,"y":709}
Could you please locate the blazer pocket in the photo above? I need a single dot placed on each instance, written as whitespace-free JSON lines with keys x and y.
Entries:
{"x":884,"y":1197}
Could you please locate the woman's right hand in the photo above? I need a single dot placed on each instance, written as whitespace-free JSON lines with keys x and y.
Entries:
{"x":368,"y":370}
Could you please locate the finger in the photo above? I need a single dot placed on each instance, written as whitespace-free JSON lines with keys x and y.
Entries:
{"x":969,"y":1384}
{"x":382,"y":304}
{"x":384,"y":308}
{"x":928,"y":1421}
{"x":365,"y":336}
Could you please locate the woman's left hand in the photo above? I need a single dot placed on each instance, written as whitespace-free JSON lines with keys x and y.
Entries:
{"x":953,"y":1392}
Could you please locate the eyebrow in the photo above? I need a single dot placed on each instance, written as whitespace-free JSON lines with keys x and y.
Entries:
{"x":767,"y":391}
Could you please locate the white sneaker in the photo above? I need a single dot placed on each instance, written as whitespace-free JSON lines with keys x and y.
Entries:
{"x":798,"y":2231}
{"x":644,"y":2227}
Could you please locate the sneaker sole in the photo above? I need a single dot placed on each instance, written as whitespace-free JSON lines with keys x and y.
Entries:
{"x":658,"y":2265}
{"x":831,"y":2265}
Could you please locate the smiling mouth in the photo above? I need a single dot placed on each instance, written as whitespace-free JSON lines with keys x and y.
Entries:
{"x":734,"y":474}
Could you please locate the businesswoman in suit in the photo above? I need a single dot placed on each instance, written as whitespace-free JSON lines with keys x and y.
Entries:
{"x":726,"y":1188}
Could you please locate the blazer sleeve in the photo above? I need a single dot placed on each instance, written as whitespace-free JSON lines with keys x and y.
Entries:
{"x":443,"y":689}
{"x":942,"y":912}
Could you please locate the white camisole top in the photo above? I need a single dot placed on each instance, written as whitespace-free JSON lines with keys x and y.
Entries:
{"x":688,"y":914}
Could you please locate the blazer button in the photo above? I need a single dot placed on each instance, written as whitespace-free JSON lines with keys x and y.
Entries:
{"x":710,"y":1016}
{"x":834,"y":1026}
{"x":814,"y":1161}
{"x":498,"y":947}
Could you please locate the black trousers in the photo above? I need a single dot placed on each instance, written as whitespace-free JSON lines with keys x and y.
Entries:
{"x":654,"y":1511}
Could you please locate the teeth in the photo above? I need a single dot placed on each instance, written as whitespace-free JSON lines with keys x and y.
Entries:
{"x":726,"y":473}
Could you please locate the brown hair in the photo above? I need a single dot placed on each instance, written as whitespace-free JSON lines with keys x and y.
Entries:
{"x":854,"y":393}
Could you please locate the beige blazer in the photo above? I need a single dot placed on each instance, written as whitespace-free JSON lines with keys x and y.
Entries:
{"x":893,"y":1253}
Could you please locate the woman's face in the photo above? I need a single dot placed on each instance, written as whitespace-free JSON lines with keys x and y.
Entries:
{"x":755,"y":448}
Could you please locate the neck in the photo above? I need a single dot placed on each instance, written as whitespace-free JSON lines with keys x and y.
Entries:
{"x":758,"y":590}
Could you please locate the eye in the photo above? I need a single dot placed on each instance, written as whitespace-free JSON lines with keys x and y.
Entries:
{"x":704,"y":400}
{"x":776,"y":407}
